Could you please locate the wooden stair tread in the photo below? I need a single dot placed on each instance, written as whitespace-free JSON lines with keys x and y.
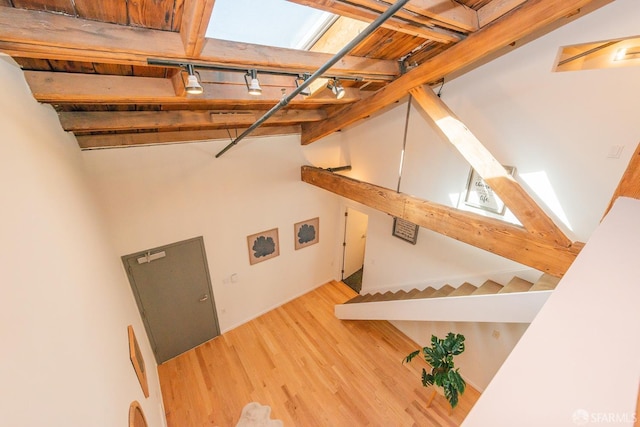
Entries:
{"x":465,"y":289}
{"x":516,"y":284}
{"x":488,"y":287}
{"x":442,"y":292}
{"x":371,"y":297}
{"x":355,"y":299}
{"x":546,"y":282}
{"x":424,"y":293}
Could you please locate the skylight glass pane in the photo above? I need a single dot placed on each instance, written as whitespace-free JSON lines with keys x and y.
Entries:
{"x":267,"y":22}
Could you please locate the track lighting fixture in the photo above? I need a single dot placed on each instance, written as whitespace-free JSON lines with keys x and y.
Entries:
{"x":300,"y":80}
{"x":193,"y":86}
{"x":254,"y":86}
{"x":335,"y":86}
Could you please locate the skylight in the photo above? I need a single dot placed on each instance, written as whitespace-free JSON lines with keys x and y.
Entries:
{"x":268,"y":22}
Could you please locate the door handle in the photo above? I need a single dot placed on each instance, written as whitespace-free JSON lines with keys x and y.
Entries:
{"x":203,"y":298}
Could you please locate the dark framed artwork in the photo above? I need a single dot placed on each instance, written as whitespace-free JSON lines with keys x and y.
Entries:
{"x":263,"y":246}
{"x":306,"y":233}
{"x":137,"y":361}
{"x":405,"y":230}
{"x":479,"y":194}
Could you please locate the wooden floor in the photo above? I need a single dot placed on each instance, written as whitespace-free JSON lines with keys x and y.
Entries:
{"x":310,"y":367}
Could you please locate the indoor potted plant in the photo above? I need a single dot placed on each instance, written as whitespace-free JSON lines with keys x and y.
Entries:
{"x":443,"y":372}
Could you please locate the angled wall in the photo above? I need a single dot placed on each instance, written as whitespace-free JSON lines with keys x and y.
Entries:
{"x":66,"y":302}
{"x":578,"y":363}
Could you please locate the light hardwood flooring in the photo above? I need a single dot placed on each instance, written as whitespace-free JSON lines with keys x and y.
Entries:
{"x":310,"y":367}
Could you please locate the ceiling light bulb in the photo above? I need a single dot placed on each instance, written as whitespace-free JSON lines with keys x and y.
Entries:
{"x":337,"y":89}
{"x":193,"y":86}
{"x":254,"y":87}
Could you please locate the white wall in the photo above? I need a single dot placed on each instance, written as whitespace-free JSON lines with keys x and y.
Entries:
{"x":579,"y":361}
{"x":66,"y":302}
{"x":555,"y":128}
{"x":157,"y":195}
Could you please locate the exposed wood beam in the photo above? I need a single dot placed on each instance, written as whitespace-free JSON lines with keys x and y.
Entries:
{"x":51,"y":87}
{"x":448,"y":12}
{"x":530,"y":18}
{"x":490,"y":234}
{"x":33,"y":34}
{"x":495,"y":9}
{"x":530,"y":215}
{"x":629,"y":185}
{"x":93,"y":121}
{"x":273,"y":58}
{"x":92,"y":142}
{"x":402,"y":21}
{"x":195,"y":19}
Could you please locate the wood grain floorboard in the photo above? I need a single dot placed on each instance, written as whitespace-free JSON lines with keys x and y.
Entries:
{"x":311,"y":368}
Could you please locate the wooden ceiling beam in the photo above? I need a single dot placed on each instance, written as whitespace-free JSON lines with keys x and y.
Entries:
{"x":441,"y":13}
{"x":490,"y":234}
{"x":101,"y":121}
{"x":76,"y":88}
{"x":120,"y":140}
{"x":530,"y":215}
{"x":195,"y":19}
{"x":629,"y":185}
{"x":531,"y":17}
{"x":451,"y":13}
{"x":33,"y":34}
{"x":495,"y":9}
{"x":402,"y":22}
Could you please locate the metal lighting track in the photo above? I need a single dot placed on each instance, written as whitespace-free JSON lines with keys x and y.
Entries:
{"x":330,"y":63}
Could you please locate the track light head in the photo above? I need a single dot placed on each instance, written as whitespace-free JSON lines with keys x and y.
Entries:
{"x":253,"y":86}
{"x":335,"y":86}
{"x":300,"y":80}
{"x":193,"y":86}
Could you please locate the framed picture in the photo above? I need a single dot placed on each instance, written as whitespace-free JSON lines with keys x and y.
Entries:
{"x":405,"y":230}
{"x":263,"y":246}
{"x":478,"y":194}
{"x":136,"y":416}
{"x":306,"y":233}
{"x":138,"y":362}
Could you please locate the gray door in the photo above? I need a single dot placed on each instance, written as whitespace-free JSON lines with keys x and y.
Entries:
{"x":172,"y":288}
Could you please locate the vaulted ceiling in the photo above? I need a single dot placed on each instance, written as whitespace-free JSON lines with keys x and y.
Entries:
{"x":109,"y":69}
{"x":91,"y":61}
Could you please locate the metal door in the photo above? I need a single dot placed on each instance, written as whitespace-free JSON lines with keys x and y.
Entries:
{"x":172,"y":288}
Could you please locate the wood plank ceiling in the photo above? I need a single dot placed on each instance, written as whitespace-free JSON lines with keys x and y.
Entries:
{"x":90,"y":61}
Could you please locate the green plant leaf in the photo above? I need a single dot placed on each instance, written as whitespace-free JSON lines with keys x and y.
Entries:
{"x":427,"y":379}
{"x":410,"y":357}
{"x":451,"y":394}
{"x":456,"y":381}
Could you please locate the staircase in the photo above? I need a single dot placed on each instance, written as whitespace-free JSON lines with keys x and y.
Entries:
{"x":517,"y":301}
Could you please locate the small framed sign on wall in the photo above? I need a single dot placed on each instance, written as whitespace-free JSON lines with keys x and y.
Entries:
{"x":480,"y":195}
{"x":405,"y":230}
